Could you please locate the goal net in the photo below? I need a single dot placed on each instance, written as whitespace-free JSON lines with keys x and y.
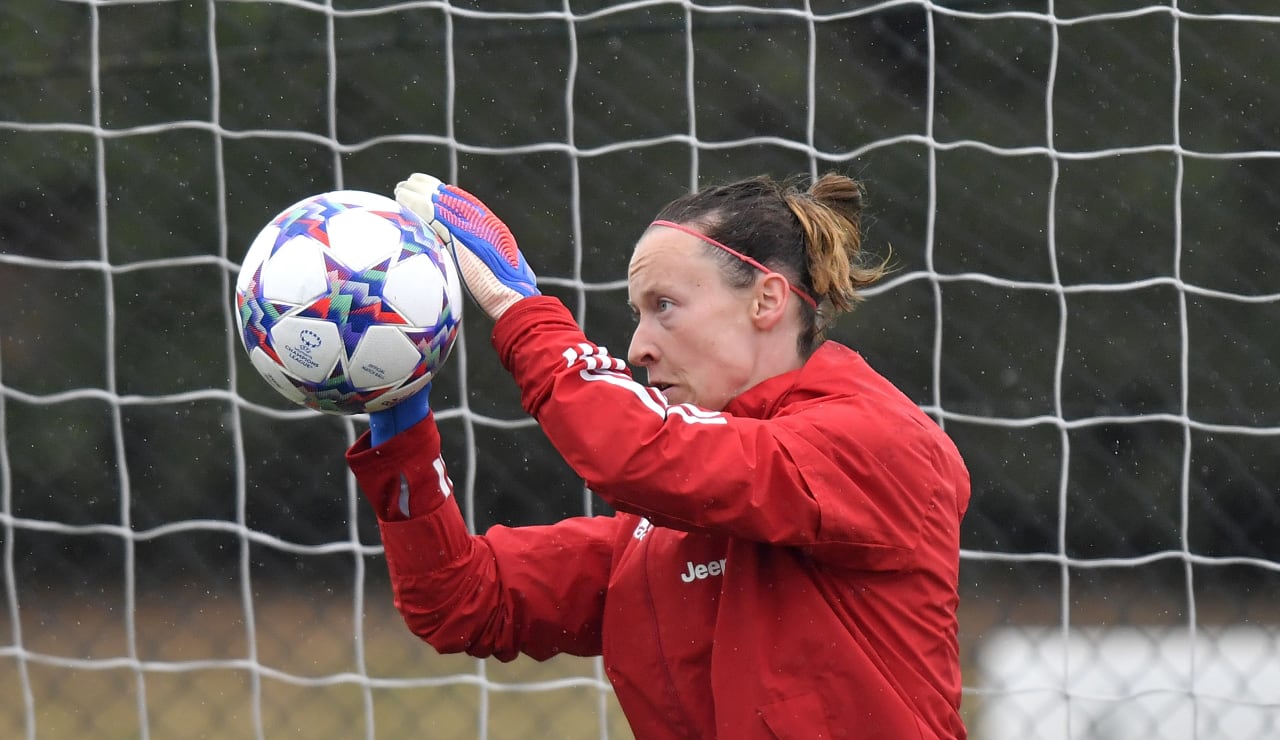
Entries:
{"x":1081,"y":198}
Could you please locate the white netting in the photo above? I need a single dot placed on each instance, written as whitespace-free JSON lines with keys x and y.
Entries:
{"x":1081,"y":198}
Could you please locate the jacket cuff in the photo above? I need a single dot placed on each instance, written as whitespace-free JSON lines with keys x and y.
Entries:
{"x":520,"y":318}
{"x":406,"y":460}
{"x":521,"y":337}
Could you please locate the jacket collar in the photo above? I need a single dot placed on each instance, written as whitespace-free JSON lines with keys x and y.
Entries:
{"x":826,"y":372}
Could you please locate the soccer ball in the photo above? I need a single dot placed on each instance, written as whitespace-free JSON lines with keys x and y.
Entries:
{"x":347,"y":302}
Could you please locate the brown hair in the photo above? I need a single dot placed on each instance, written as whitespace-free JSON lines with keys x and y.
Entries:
{"x":811,"y":235}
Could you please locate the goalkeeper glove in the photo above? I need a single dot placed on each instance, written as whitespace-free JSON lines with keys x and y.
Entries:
{"x":387,"y":423}
{"x":491,"y":264}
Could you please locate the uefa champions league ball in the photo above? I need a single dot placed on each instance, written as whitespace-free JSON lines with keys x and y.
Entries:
{"x":348,"y":302}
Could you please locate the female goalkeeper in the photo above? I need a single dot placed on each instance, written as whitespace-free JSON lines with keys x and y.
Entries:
{"x":784,"y":558}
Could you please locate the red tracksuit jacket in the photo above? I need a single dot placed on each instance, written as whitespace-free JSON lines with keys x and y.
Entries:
{"x":785,"y":569}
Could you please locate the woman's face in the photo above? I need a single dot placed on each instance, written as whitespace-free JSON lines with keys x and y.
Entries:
{"x":694,"y":334}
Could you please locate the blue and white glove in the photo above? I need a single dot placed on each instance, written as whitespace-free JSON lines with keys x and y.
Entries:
{"x":387,"y":423}
{"x":491,"y":264}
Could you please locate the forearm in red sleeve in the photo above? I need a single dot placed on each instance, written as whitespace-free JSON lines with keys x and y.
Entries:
{"x":679,"y":466}
{"x":535,"y":590}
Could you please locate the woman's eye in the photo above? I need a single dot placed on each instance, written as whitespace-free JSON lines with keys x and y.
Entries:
{"x":664,"y":304}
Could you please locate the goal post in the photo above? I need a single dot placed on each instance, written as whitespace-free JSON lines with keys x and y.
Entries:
{"x":1079,"y":197}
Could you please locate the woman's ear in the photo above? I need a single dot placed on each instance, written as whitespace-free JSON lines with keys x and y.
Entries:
{"x":770,"y":303}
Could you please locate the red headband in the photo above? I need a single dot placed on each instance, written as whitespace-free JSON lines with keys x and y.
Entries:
{"x":672,"y":225}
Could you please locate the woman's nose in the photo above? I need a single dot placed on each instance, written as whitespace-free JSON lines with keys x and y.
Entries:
{"x":641,"y":352}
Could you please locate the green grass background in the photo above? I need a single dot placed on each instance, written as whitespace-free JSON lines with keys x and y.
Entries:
{"x":310,"y":638}
{"x":306,"y":638}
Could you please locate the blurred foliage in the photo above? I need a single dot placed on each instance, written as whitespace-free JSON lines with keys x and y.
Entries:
{"x":1078,"y":233}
